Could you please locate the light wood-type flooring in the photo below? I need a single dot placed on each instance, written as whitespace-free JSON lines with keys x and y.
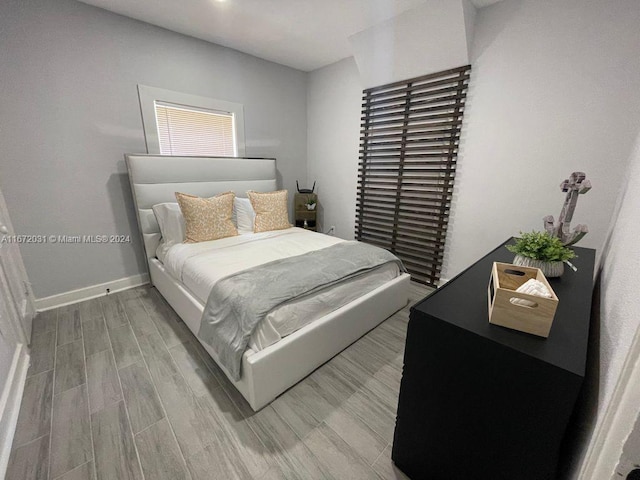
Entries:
{"x":119,"y":388}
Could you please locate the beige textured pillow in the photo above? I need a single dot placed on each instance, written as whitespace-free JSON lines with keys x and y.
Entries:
{"x":207,"y":218}
{"x":271,"y":210}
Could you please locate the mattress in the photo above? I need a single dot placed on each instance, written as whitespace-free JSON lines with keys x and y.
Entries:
{"x":198,"y":266}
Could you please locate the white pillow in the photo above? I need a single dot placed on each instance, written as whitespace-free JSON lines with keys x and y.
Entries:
{"x":171,"y":223}
{"x":243,"y":214}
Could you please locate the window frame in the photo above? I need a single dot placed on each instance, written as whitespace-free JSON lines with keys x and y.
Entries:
{"x":148,"y":97}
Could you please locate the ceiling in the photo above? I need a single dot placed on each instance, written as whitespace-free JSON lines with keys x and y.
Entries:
{"x":303,"y":34}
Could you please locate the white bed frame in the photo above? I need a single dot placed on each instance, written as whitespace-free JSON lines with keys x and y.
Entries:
{"x":269,"y":372}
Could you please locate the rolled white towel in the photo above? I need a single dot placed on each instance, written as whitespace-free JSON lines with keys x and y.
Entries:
{"x":531,"y":287}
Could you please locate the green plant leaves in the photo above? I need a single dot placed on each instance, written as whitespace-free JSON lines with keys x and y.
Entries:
{"x":541,"y":246}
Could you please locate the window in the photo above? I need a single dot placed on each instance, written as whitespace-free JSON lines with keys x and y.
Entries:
{"x":408,"y":152}
{"x":182,"y":124}
{"x":186,"y":131}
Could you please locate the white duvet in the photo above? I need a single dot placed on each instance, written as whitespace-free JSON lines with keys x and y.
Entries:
{"x":200,"y":265}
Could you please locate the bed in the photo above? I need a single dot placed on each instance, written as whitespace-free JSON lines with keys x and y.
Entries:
{"x":278,"y":357}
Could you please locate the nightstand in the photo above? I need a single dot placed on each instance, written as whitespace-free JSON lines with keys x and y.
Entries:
{"x":302,"y":213}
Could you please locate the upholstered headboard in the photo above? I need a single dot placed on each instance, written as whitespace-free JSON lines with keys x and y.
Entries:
{"x":155,"y":179}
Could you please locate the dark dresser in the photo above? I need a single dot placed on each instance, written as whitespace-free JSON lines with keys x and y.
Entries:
{"x":480,"y":401}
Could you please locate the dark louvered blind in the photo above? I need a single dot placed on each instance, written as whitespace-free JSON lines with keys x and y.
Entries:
{"x":192,"y":131}
{"x":408,"y":151}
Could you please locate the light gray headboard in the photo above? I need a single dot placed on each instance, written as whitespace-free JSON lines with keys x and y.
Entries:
{"x":155,"y":179}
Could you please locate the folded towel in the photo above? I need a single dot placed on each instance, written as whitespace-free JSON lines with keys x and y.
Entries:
{"x":531,"y":287}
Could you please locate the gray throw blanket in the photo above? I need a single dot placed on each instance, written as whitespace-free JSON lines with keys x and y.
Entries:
{"x":239,"y":302}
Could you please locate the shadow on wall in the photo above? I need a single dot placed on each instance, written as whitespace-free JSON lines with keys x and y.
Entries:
{"x":320,"y":217}
{"x":502,"y":15}
{"x":583,"y":421}
{"x":460,"y":177}
{"x":119,"y":190}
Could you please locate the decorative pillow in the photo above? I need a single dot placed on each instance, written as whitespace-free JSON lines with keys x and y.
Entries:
{"x":171,"y":222}
{"x":271,"y":210}
{"x":207,"y":218}
{"x":244,"y":215}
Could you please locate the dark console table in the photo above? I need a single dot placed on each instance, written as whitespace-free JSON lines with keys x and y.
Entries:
{"x":479,"y":401}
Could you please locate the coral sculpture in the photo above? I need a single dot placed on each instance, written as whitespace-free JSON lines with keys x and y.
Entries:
{"x":575,"y":185}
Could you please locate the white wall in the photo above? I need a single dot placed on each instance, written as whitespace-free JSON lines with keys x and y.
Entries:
{"x":620,"y":302}
{"x":554,"y":89}
{"x":426,"y":39}
{"x":69,"y":111}
{"x":333,"y":119}
{"x":470,"y":12}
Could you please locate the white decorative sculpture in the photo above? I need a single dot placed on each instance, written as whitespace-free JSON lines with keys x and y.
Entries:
{"x":575,"y":185}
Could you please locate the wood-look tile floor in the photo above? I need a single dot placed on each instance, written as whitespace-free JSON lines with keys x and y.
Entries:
{"x":119,"y":388}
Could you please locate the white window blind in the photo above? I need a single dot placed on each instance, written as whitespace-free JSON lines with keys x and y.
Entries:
{"x":192,"y":131}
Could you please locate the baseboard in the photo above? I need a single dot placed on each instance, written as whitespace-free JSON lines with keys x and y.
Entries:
{"x":10,"y":404}
{"x":86,"y":293}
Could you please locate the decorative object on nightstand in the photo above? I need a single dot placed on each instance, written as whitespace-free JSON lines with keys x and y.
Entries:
{"x":543,"y":251}
{"x":311,"y":204}
{"x":305,"y":217}
{"x":511,"y":307}
{"x":575,"y":185}
{"x":305,"y":190}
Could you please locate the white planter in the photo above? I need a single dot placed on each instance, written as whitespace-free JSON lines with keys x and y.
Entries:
{"x":311,"y":207}
{"x":550,"y":269}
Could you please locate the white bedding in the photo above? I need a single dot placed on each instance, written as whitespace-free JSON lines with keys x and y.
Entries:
{"x":200,"y":265}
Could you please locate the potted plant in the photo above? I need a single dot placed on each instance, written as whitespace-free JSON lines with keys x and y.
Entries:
{"x":311,"y":203}
{"x":541,"y":250}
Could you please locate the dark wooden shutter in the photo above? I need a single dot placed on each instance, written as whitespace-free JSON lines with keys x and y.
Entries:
{"x":408,"y":151}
